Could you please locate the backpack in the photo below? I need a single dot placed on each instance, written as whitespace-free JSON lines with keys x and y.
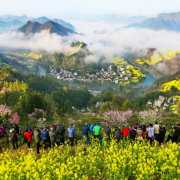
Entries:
{"x":60,"y":131}
{"x":107,"y":131}
{"x":133,"y":134}
{"x":25,"y":139}
{"x":117,"y":134}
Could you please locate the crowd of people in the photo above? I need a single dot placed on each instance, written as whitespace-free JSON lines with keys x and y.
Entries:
{"x":56,"y":134}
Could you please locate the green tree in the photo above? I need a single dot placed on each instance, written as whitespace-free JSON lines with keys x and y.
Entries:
{"x":107,"y":96}
{"x":126,"y":105}
{"x":117,"y":102}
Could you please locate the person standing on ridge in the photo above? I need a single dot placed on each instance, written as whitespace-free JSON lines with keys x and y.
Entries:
{"x":139,"y":133}
{"x":37,"y":139}
{"x":71,"y":130}
{"x":107,"y":132}
{"x":162,"y":133}
{"x":85,"y":130}
{"x":60,"y":131}
{"x":176,"y":133}
{"x":17,"y":128}
{"x":96,"y":130}
{"x":14,"y":138}
{"x":91,"y":129}
{"x":150,"y":131}
{"x":156,"y":131}
{"x":117,"y":134}
{"x":28,"y":134}
{"x":125,"y":131}
{"x":52,"y":135}
{"x":45,"y":137}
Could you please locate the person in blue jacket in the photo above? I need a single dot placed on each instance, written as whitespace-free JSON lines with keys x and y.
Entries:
{"x":85,"y":130}
{"x":45,"y":136}
{"x":91,"y":129}
{"x":71,"y":130}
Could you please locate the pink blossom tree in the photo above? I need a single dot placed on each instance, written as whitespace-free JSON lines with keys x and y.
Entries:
{"x":14,"y":118}
{"x":38,"y":113}
{"x":117,"y":117}
{"x":4,"y":109}
{"x":149,"y":117}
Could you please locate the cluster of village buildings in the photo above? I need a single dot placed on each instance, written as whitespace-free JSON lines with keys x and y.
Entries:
{"x":103,"y":75}
{"x":162,"y":103}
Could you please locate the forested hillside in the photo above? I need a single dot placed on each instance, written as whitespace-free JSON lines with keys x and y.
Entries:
{"x":24,"y":92}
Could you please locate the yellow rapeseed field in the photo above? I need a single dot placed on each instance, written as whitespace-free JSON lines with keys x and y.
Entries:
{"x":122,"y":161}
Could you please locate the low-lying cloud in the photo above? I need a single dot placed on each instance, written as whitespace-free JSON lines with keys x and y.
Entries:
{"x":102,"y":40}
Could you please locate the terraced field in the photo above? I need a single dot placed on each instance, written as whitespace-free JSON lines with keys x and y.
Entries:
{"x":167,"y":86}
{"x":30,"y":55}
{"x":158,"y":56}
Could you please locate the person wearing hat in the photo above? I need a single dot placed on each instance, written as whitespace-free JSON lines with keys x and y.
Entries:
{"x":96,"y":130}
{"x":139,"y":133}
{"x":107,"y":132}
{"x":71,"y":130}
{"x":85,"y":130}
{"x":37,"y":138}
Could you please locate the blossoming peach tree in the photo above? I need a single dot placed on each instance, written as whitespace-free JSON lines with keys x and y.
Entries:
{"x":149,"y":117}
{"x":38,"y":113}
{"x":14,"y":118}
{"x":117,"y":117}
{"x":3,"y":110}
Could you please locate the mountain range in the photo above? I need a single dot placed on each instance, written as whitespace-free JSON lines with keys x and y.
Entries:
{"x":10,"y":22}
{"x":117,"y":19}
{"x":52,"y":27}
{"x":168,"y":21}
{"x":112,"y":18}
{"x":10,"y":25}
{"x":6,"y":18}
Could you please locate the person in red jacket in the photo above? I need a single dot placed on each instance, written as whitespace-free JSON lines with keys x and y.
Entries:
{"x":125,"y":131}
{"x":28,"y":134}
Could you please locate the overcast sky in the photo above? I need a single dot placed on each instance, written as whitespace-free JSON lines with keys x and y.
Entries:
{"x":54,"y":8}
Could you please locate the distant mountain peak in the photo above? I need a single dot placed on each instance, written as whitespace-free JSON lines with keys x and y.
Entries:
{"x":168,"y":21}
{"x":52,"y":27}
